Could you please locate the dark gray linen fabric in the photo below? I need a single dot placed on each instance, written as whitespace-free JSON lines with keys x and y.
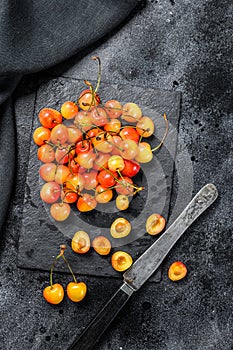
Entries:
{"x":35,"y":35}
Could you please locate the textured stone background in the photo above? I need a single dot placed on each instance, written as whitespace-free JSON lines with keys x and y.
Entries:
{"x":184,"y":46}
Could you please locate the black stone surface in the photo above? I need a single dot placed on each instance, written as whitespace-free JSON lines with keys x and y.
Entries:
{"x":41,"y":236}
{"x":185,"y":46}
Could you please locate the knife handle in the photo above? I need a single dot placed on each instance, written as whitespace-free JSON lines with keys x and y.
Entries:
{"x":103,"y":319}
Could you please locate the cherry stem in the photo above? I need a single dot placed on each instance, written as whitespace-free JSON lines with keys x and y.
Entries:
{"x":96,"y":58}
{"x":70,"y":269}
{"x":164,"y":136}
{"x":62,"y":249}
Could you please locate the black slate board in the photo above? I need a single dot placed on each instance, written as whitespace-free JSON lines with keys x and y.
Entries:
{"x":41,"y":236}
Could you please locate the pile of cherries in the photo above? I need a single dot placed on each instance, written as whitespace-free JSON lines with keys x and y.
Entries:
{"x":87,"y":153}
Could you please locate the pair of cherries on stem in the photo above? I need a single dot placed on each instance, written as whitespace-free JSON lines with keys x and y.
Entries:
{"x":54,"y":293}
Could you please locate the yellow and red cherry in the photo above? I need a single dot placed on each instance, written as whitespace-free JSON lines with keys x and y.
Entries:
{"x":131,"y":112}
{"x":83,"y":146}
{"x":69,"y":110}
{"x":103,"y":142}
{"x":177,"y":271}
{"x":145,"y":127}
{"x":46,"y":154}
{"x":101,"y":245}
{"x":64,"y":153}
{"x":74,"y":167}
{"x":90,"y":180}
{"x":69,"y":196}
{"x":113,"y":109}
{"x":129,"y":149}
{"x":62,"y":174}
{"x":101,"y":161}
{"x":122,"y":202}
{"x":103,"y":195}
{"x":74,"y":134}
{"x":144,"y":154}
{"x":60,"y":211}
{"x":54,"y":294}
{"x":92,"y":133}
{"x":87,"y":100}
{"x":50,"y":192}
{"x":76,"y":291}
{"x":116,"y":142}
{"x":59,"y":134}
{"x":113,"y":125}
{"x":129,"y":133}
{"x":75,"y":182}
{"x":121,"y":261}
{"x":41,"y":135}
{"x":120,"y":228}
{"x":107,"y":179}
{"x":131,"y":168}
{"x":80,"y":242}
{"x":83,"y":120}
{"x":49,"y":117}
{"x":116,"y":163}
{"x":155,"y":224}
{"x":86,"y":159}
{"x":86,"y":203}
{"x":99,"y":116}
{"x":125,"y":186}
{"x":47,"y":171}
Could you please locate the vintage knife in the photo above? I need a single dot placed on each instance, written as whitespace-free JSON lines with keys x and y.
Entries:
{"x":144,"y":267}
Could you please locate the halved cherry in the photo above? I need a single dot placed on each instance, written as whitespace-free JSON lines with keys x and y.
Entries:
{"x":101,"y":245}
{"x":120,"y":228}
{"x":86,"y":202}
{"x":80,"y":242}
{"x":121,"y":261}
{"x":177,"y":271}
{"x":49,"y":117}
{"x":155,"y":224}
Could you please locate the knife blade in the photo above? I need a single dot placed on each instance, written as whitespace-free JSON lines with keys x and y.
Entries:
{"x":144,"y":267}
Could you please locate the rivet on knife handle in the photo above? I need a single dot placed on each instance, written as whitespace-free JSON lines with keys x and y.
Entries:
{"x":152,"y":258}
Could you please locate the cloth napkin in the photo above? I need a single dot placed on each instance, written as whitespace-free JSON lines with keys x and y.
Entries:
{"x":35,"y":35}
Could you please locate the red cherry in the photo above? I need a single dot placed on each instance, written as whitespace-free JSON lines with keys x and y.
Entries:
{"x":131,"y":168}
{"x":69,"y":196}
{"x":83,"y":146}
{"x":129,"y":133}
{"x":106,"y":179}
{"x":49,"y":117}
